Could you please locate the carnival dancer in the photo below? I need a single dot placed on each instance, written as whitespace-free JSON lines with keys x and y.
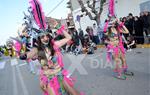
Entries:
{"x":114,"y":29}
{"x":53,"y":76}
{"x":9,"y":46}
{"x":17,"y":47}
{"x":115,"y":44}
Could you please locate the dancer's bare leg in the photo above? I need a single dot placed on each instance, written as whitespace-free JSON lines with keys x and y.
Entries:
{"x":70,"y":89}
{"x":50,"y":90}
{"x":125,"y":66}
{"x":43,"y":87}
{"x":118,"y":68}
{"x":117,"y":63}
{"x":123,"y":60}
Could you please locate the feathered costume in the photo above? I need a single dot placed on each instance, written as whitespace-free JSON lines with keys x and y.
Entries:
{"x":111,"y":8}
{"x":110,"y":14}
{"x":111,"y":48}
{"x":55,"y":80}
{"x":38,"y":14}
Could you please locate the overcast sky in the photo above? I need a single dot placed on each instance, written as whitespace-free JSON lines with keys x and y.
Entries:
{"x":12,"y":14}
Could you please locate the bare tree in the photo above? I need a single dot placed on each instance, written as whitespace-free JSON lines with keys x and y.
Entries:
{"x":97,"y":13}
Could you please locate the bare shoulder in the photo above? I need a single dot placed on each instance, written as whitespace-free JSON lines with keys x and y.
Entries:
{"x":34,"y":49}
{"x":60,"y":43}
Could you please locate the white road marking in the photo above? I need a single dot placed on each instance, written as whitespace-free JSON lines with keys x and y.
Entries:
{"x":15,"y":89}
{"x":14,"y":62}
{"x":22,"y":64}
{"x":25,"y":91}
{"x":2,"y":65}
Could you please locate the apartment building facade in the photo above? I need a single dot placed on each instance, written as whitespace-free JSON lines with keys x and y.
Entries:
{"x":122,"y":8}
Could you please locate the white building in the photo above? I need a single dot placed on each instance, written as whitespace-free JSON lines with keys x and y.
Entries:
{"x":122,"y":8}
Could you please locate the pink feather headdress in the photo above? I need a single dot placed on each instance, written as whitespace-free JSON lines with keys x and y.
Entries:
{"x":111,"y":8}
{"x":38,"y":14}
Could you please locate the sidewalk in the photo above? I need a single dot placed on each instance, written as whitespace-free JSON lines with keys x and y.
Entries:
{"x":138,"y":46}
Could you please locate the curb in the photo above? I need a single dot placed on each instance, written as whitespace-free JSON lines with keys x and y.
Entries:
{"x":137,"y":46}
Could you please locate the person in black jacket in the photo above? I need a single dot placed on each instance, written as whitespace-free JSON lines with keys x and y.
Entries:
{"x":81,"y":36}
{"x":130,"y":24}
{"x":138,"y":28}
{"x":146,"y":18}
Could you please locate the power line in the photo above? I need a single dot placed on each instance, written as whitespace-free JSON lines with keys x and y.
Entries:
{"x":55,"y":7}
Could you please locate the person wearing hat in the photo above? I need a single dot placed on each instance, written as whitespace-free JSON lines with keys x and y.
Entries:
{"x":114,"y":42}
{"x":53,"y":77}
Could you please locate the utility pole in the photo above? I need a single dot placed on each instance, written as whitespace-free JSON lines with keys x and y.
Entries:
{"x":70,"y":21}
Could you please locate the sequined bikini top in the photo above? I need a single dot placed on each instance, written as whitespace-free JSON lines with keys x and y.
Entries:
{"x":112,"y":35}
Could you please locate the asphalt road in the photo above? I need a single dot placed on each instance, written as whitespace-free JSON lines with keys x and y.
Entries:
{"x":92,"y":74}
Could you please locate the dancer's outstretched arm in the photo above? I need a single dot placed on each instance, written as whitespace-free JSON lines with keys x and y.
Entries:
{"x":61,"y":30}
{"x":63,"y":41}
{"x":125,"y":30}
{"x":29,"y":54}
